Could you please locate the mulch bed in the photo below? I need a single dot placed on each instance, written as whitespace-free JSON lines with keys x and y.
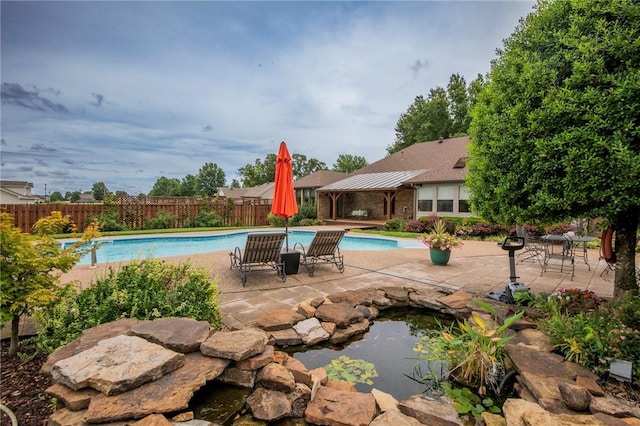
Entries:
{"x":22,"y":387}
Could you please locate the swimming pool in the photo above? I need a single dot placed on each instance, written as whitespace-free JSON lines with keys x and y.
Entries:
{"x":129,"y":248}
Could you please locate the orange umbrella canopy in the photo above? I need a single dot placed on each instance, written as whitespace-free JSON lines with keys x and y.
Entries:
{"x":284,"y":197}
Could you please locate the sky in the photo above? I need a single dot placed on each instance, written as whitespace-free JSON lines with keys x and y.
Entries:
{"x":125,"y":92}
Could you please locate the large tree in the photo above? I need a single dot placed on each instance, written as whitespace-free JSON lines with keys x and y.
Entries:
{"x":347,"y":163}
{"x":265,"y":171}
{"x":555,"y":133}
{"x":442,"y":114}
{"x":166,"y":187}
{"x":210,"y":178}
{"x":99,"y":191}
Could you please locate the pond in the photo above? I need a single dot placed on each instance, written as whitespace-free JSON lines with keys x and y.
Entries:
{"x":387,"y":347}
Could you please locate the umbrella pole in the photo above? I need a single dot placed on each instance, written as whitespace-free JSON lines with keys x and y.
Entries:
{"x":286,"y":232}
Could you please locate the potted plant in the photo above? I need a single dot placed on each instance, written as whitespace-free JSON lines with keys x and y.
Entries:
{"x":440,"y":243}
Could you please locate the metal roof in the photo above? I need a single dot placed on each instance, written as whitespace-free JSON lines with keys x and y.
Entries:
{"x":372,"y":181}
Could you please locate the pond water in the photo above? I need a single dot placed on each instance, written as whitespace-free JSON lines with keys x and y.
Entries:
{"x":387,"y":345}
{"x":130,"y":248}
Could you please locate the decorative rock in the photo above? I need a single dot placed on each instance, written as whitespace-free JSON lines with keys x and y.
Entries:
{"x":590,"y":385}
{"x":321,"y":374}
{"x":311,"y":331}
{"x":341,"y":314}
{"x":340,"y":385}
{"x":236,"y":345}
{"x":300,"y":373}
{"x":170,"y":393}
{"x":72,"y":399}
{"x":534,"y":339}
{"x":396,"y":293}
{"x":90,"y":337}
{"x":257,"y":361}
{"x":153,"y":420}
{"x":287,"y":337}
{"x":351,"y":298}
{"x":183,"y":417}
{"x":276,"y":377}
{"x":385,"y":401}
{"x":241,"y":378}
{"x":540,"y":372}
{"x":614,"y":407}
{"x":394,"y":418}
{"x":279,"y":319}
{"x":344,"y":334}
{"x":521,"y":412}
{"x":182,"y":335}
{"x":430,"y":411}
{"x":575,"y":397}
{"x":458,"y":300}
{"x":317,"y":301}
{"x":335,"y":407}
{"x":268,"y":405}
{"x":366,"y":311}
{"x":491,"y":419}
{"x":299,"y":399}
{"x":329,"y":327}
{"x":117,"y":365}
{"x":427,"y":297}
{"x":306,"y":309}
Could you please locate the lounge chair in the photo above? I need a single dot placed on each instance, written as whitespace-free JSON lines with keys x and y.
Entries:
{"x":323,"y":248}
{"x":261,"y":253}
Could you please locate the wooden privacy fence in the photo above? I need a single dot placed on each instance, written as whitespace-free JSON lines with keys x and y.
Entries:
{"x":134,"y":212}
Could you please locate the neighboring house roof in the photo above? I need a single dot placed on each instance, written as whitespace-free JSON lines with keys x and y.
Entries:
{"x":86,"y":198}
{"x":231,"y":192}
{"x":371,"y":181}
{"x":319,"y":178}
{"x":264,"y":191}
{"x":9,"y":196}
{"x":18,"y":186}
{"x":435,"y":161}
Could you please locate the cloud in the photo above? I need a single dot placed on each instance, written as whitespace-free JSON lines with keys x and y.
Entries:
{"x":14,"y":93}
{"x":207,"y":128}
{"x":419,"y":65}
{"x":99,"y":98}
{"x":42,"y":148}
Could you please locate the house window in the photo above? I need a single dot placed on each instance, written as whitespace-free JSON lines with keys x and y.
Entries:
{"x":463,"y":201}
{"x":425,"y":198}
{"x":445,"y":198}
{"x":309,"y":196}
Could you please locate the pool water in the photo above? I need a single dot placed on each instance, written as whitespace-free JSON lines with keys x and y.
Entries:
{"x":125,"y":249}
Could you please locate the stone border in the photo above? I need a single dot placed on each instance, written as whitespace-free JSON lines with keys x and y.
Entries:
{"x":282,"y":387}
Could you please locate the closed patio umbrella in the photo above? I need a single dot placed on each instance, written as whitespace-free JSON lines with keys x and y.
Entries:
{"x":284,"y":198}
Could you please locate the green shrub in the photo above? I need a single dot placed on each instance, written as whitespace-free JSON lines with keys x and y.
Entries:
{"x":144,"y":289}
{"x":162,"y":220}
{"x":109,"y":222}
{"x":206,"y":219}
{"x":395,"y":224}
{"x":275,"y":221}
{"x":305,"y":211}
{"x":594,"y":337}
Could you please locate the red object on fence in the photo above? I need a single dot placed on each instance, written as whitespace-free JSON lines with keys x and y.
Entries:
{"x":284,"y":197}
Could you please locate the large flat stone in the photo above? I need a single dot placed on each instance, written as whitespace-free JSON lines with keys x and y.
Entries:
{"x":235,"y":345}
{"x":90,"y":337}
{"x":116,"y":365}
{"x":337,"y":407}
{"x":182,"y":335}
{"x":168,"y":394}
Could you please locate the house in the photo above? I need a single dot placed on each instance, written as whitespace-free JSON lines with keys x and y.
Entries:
{"x":306,"y":186}
{"x":241,"y":195}
{"x":17,"y":192}
{"x":421,"y":180}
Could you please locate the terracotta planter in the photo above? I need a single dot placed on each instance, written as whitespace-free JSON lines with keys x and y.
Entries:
{"x":439,"y":257}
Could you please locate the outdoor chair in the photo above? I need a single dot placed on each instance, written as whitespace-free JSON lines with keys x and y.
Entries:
{"x":324,"y":248}
{"x":559,"y":255}
{"x":606,"y":251}
{"x":533,"y":248}
{"x":261,"y":253}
